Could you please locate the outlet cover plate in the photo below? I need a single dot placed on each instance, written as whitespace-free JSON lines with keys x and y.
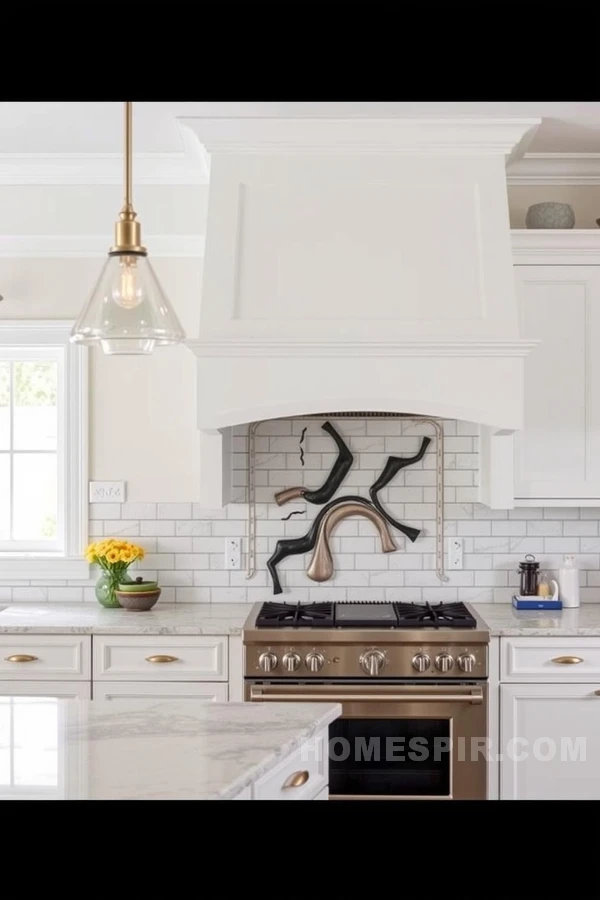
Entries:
{"x":107,"y":491}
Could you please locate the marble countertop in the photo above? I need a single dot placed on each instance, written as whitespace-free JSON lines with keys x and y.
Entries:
{"x":229,"y":618}
{"x":152,"y":750}
{"x":503,"y":620}
{"x":91,"y":618}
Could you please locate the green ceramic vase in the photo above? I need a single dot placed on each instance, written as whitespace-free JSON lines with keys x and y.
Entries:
{"x":106,"y":586}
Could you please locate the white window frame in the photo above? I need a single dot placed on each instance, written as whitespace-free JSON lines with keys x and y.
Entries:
{"x":66,"y":562}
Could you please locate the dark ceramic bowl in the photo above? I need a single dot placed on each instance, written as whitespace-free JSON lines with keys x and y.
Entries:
{"x":138,"y":601}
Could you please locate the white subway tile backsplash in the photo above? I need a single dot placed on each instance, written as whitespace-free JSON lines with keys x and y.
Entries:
{"x":191,"y":561}
{"x":106,"y":510}
{"x":136,"y":511}
{"x":507,"y":527}
{"x":585,"y":528}
{"x":561,"y":545}
{"x":563,"y":512}
{"x":185,"y":542}
{"x":121,"y":528}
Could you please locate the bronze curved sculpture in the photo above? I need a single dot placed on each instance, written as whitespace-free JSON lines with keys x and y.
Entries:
{"x":321,"y":564}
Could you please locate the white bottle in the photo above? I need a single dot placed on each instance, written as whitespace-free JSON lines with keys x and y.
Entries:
{"x":568,"y":580}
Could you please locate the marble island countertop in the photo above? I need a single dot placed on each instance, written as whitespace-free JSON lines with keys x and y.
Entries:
{"x":503,"y":620}
{"x":156,"y":750}
{"x":91,"y":618}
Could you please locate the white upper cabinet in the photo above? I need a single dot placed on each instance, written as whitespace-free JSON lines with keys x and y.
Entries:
{"x":557,"y":455}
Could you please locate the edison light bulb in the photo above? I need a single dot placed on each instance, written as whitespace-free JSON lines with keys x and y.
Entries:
{"x":127,"y":292}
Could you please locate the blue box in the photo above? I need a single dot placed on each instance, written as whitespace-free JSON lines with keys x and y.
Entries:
{"x":535,"y":603}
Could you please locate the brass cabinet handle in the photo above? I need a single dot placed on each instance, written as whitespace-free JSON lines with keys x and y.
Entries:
{"x":297,"y":779}
{"x":597,"y":693}
{"x":20,"y":657}
{"x":161,"y":658}
{"x":567,"y":660}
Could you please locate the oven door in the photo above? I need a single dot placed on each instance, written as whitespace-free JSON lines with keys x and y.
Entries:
{"x":398,"y":741}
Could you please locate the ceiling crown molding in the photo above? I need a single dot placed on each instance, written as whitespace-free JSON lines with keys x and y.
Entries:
{"x":555,"y":168}
{"x":186,"y":168}
{"x":69,"y":246}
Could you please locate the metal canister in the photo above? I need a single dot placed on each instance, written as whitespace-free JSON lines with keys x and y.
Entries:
{"x":529,"y":571}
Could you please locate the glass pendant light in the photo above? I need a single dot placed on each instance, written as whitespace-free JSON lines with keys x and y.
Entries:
{"x":128,"y":312}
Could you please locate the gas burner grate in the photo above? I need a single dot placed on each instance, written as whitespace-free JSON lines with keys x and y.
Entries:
{"x":295,"y":615}
{"x":437,"y":615}
{"x":364,"y":615}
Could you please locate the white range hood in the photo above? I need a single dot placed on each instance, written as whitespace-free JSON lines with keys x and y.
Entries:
{"x":358,"y":264}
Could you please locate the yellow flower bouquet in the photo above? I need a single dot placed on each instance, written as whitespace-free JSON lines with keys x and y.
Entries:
{"x":114,"y":558}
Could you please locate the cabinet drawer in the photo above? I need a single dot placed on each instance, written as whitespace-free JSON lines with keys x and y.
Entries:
{"x":160,"y":658}
{"x":154,"y":690}
{"x":31,"y":657}
{"x":272,"y":786}
{"x":550,"y":659}
{"x":61,"y":690}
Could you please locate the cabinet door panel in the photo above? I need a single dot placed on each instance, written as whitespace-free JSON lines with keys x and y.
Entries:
{"x":550,"y":742}
{"x":558,"y":451}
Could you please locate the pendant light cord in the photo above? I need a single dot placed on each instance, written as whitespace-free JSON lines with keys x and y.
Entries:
{"x":128,"y":207}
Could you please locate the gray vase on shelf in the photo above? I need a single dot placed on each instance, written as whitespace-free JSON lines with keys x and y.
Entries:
{"x":550,"y":215}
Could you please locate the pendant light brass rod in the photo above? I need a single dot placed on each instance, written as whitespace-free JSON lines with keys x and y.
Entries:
{"x":128,"y":155}
{"x":128,"y":234}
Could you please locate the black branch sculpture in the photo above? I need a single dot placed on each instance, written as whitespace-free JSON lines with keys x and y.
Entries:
{"x":293,"y":546}
{"x":394,"y":465}
{"x":340,"y":469}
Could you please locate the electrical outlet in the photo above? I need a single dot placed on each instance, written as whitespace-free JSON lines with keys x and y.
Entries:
{"x":233,"y":553}
{"x":455,"y":553}
{"x":107,"y":491}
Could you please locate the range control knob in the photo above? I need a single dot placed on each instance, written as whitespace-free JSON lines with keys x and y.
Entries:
{"x":372,"y":661}
{"x":291,"y":662}
{"x":421,"y":662}
{"x":467,"y":662}
{"x":444,"y":662}
{"x":267,"y":661}
{"x":314,"y":661}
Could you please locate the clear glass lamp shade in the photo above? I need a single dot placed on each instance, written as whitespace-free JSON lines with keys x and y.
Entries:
{"x":128,"y":311}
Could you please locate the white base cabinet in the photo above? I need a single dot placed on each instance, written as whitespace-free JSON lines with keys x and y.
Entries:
{"x":549,"y":718}
{"x":550,"y":742}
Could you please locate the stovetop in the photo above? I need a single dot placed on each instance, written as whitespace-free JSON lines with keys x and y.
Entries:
{"x":365,"y":615}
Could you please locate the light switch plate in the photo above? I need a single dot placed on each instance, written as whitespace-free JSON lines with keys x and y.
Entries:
{"x":107,"y":491}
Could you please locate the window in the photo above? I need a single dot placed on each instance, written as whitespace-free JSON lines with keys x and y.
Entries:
{"x":43,"y":465}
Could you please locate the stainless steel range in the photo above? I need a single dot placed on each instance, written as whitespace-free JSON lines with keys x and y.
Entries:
{"x":412,"y":681}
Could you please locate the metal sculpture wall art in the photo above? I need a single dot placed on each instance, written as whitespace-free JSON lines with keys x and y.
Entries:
{"x":334,"y":511}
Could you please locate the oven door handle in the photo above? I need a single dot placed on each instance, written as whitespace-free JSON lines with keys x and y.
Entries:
{"x":473,"y":695}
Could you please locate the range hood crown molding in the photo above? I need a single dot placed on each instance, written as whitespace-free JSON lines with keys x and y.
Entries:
{"x":465,"y":135}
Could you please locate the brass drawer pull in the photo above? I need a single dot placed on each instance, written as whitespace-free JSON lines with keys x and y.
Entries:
{"x":297,"y":779}
{"x":567,"y":660}
{"x":161,"y":658}
{"x":21,"y":657}
{"x":597,"y":693}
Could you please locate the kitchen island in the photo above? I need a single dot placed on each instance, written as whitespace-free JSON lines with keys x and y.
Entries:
{"x":163,"y":750}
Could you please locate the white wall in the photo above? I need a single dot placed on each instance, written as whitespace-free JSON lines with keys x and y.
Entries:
{"x":185,"y":544}
{"x":142,"y":409}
